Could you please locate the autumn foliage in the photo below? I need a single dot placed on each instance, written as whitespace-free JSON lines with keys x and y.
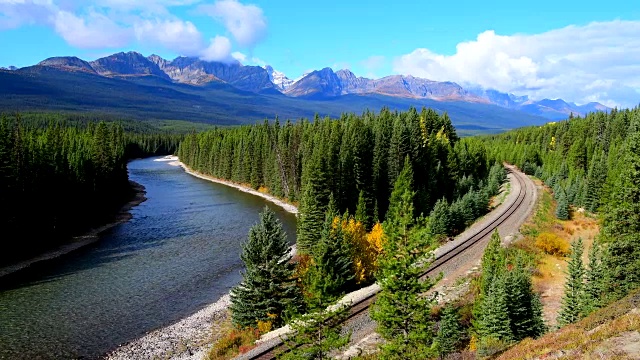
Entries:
{"x":552,"y":244}
{"x":366,"y":248}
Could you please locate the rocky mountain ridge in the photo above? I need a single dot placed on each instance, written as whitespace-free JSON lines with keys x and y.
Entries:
{"x":318,"y":85}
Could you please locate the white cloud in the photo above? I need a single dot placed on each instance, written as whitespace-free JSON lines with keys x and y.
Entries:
{"x":219,"y":50}
{"x":92,"y":32}
{"x":177,"y":35}
{"x":100,"y":24}
{"x":596,"y":62}
{"x":239,"y":56}
{"x":246,"y":23}
{"x":15,"y":13}
{"x":248,"y":60}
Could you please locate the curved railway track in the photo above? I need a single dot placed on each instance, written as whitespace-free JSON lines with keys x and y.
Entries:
{"x":267,"y":352}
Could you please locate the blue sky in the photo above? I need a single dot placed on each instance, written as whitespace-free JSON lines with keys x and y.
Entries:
{"x":581,"y":51}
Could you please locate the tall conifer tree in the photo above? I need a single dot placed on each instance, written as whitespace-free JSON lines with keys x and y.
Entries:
{"x":572,"y":301}
{"x":313,"y":204}
{"x":268,"y":287}
{"x":401,"y":310}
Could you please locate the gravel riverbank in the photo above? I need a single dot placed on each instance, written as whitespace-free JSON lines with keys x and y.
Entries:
{"x":189,"y":338}
{"x":186,"y":339}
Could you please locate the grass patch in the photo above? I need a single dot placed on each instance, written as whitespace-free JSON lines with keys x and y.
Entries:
{"x":548,"y":239}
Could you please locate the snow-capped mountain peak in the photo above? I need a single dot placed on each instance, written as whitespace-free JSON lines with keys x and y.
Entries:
{"x":280,"y":80}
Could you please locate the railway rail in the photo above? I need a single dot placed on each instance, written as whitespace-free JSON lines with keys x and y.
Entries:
{"x":268,"y":352}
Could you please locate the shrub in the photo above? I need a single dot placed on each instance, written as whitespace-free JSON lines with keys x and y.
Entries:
{"x":490,"y":346}
{"x":233,"y":343}
{"x":552,"y":244}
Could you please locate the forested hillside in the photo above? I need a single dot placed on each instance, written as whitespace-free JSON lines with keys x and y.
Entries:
{"x":591,"y":163}
{"x":57,"y":179}
{"x":356,"y":159}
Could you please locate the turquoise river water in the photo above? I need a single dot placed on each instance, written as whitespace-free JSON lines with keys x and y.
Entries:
{"x":179,"y":253}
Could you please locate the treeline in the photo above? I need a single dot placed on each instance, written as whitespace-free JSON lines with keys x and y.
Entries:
{"x":594,"y":163}
{"x":578,"y":158}
{"x":354,"y":159}
{"x":57,"y":179}
{"x":377,"y":192}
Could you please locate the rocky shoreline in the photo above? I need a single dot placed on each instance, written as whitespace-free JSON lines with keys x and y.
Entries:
{"x":186,"y":339}
{"x":88,"y":238}
{"x":189,"y":338}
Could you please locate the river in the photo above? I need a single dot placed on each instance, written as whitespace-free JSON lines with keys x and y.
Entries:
{"x":178,"y":253}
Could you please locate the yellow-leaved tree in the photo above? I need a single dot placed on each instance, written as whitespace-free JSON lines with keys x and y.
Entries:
{"x":366,"y":248}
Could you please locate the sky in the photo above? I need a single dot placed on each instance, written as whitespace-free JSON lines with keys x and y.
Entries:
{"x":580,"y":51}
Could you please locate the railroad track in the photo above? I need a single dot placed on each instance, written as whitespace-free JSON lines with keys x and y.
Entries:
{"x":362,"y":305}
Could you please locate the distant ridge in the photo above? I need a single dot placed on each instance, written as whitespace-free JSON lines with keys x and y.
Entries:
{"x":319,"y":85}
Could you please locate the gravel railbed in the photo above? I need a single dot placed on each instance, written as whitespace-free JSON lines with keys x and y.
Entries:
{"x":363,"y":328}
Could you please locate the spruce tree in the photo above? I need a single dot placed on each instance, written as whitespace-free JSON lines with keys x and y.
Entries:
{"x":401,"y":310}
{"x":595,"y":181}
{"x":316,"y":334}
{"x":494,"y":314}
{"x":449,"y":331}
{"x":440,"y":218}
{"x":525,"y":314}
{"x":562,"y":211}
{"x":362,"y":211}
{"x":268,"y":287}
{"x":313,"y":204}
{"x":574,"y":287}
{"x":331,"y":273}
{"x":621,"y":222}
{"x":493,"y":262}
{"x":595,"y":277}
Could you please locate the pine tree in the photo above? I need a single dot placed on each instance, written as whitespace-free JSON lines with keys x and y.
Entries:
{"x":331,"y":273}
{"x":313,"y":205}
{"x":268,"y":287}
{"x":494,"y":314}
{"x":595,"y":277}
{"x":317,"y":334}
{"x":449,"y":331}
{"x":562,"y":211}
{"x":440,"y":218}
{"x":621,"y":222}
{"x":401,"y":310}
{"x":574,"y":287}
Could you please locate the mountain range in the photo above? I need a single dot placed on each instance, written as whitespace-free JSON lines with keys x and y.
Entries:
{"x":240,"y":93}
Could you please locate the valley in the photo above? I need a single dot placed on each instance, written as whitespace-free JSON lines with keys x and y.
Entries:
{"x":250,"y":179}
{"x":129,"y":85}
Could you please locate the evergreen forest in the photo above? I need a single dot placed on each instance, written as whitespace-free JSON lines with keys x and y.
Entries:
{"x":376,"y":193}
{"x":66,"y":176}
{"x":591,"y":163}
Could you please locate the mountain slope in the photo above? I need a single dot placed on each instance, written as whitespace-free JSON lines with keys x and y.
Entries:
{"x":127,"y":64}
{"x":46,"y":88}
{"x":198,"y":72}
{"x":609,"y":333}
{"x":69,"y":63}
{"x":319,"y":85}
{"x":326,"y":83}
{"x":280,"y":80}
